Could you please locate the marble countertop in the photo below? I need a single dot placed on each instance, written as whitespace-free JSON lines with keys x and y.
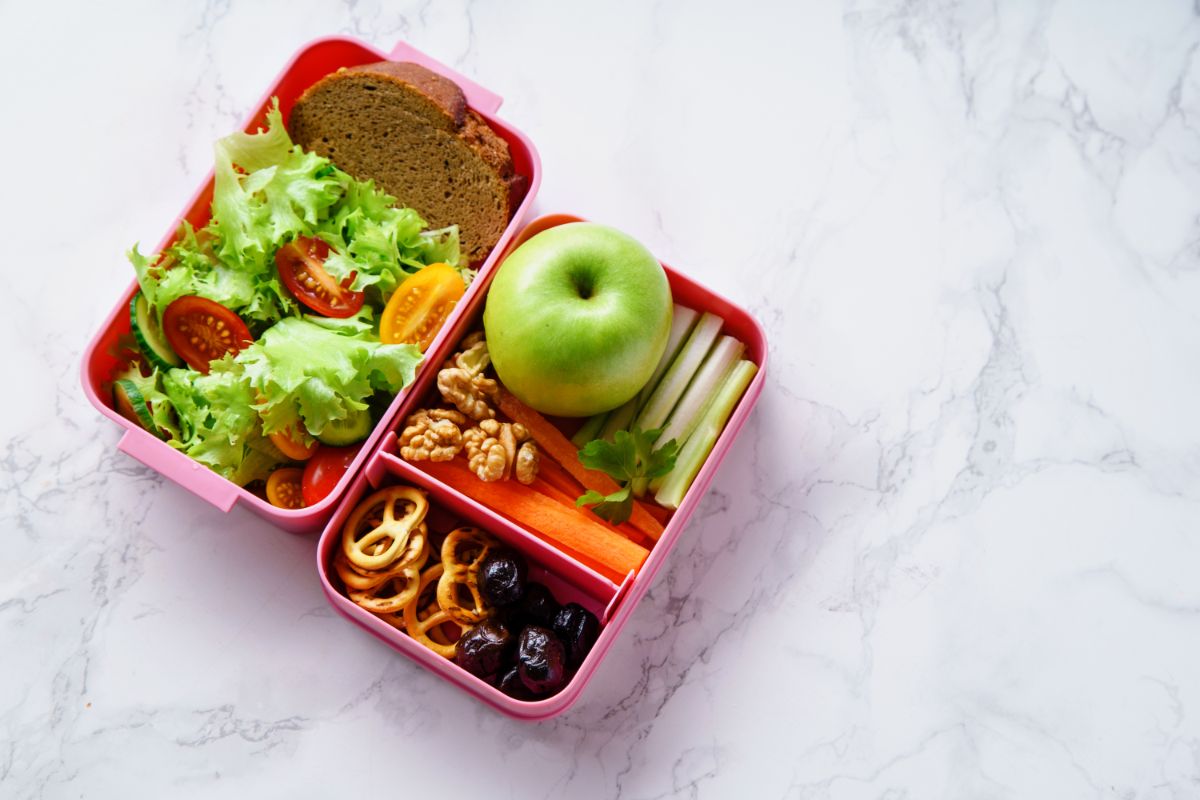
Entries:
{"x":954,"y":553}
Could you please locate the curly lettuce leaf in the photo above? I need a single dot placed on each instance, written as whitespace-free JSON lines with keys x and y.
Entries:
{"x":189,"y":267}
{"x":211,"y":418}
{"x":309,"y":374}
{"x":379,"y":244}
{"x":266,"y":191}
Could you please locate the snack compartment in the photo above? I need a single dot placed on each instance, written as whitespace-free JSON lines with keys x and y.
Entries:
{"x":103,"y":355}
{"x":567,"y":582}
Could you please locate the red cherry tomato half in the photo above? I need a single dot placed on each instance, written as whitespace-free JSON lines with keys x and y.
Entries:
{"x":323,"y":471}
{"x":301,"y":268}
{"x":200,"y":330}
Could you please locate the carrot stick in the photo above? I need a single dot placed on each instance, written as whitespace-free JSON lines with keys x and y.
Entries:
{"x":625,"y":529}
{"x":560,"y":448}
{"x":663,"y":515}
{"x":609,"y":553}
{"x":552,"y":491}
{"x":554,"y":443}
{"x":550,"y":471}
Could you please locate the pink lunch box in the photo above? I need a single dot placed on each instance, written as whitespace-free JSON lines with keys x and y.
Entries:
{"x":378,"y":464}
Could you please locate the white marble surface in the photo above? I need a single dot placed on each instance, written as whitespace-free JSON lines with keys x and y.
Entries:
{"x":955,"y":553}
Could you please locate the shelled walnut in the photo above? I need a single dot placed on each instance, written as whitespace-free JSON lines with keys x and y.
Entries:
{"x":432,"y":435}
{"x":466,"y":392}
{"x":494,"y":449}
{"x":461,"y":380}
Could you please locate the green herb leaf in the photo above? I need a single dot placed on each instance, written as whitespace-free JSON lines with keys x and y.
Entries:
{"x":630,"y":459}
{"x":615,"y":507}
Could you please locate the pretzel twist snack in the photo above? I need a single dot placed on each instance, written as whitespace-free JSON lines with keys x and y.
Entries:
{"x":458,"y":592}
{"x":420,"y":621}
{"x":362,"y":580}
{"x":394,"y":594}
{"x":378,"y":530}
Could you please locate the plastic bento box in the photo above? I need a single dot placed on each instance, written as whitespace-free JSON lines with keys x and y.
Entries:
{"x":310,"y":63}
{"x":378,"y":463}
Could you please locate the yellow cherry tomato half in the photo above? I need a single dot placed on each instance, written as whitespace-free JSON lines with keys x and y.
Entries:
{"x":292,"y":445}
{"x":417,"y":310}
{"x":283,"y":488}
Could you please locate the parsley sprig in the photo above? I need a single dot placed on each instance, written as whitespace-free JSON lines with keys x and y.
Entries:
{"x":630,"y":459}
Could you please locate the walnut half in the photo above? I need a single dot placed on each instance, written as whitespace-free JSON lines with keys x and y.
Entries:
{"x":461,"y":380}
{"x":495,"y":448}
{"x":432,"y":435}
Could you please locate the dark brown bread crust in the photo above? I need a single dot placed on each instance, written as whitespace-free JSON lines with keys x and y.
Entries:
{"x":410,"y":131}
{"x":442,"y":93}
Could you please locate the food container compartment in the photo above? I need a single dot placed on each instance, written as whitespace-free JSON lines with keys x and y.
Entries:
{"x":624,"y":598}
{"x":100,"y":361}
{"x":567,"y":580}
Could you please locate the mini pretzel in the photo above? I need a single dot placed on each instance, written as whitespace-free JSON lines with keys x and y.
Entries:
{"x":441,"y":636}
{"x":418,"y":626}
{"x":414,"y":556}
{"x":463,"y":553}
{"x":393,"y":594}
{"x":375,"y":535}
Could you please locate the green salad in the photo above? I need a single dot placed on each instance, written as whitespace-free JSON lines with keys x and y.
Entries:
{"x":259,"y":334}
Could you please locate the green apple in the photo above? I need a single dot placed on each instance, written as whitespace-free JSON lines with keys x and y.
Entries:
{"x":577,"y":318}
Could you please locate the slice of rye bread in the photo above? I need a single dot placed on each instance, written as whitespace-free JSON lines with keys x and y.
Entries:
{"x":410,"y":131}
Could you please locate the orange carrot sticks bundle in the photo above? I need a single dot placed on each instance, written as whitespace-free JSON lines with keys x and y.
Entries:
{"x":609,"y":553}
{"x":554,"y":444}
{"x":554,"y":493}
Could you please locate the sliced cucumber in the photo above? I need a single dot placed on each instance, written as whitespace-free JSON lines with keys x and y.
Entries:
{"x":130,"y":404}
{"x":150,"y":336}
{"x":352,"y":429}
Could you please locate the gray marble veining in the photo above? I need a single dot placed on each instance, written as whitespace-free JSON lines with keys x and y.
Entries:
{"x":954,"y":553}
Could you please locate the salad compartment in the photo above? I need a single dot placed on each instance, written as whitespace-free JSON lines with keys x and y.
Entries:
{"x":102,"y":357}
{"x":619,"y":601}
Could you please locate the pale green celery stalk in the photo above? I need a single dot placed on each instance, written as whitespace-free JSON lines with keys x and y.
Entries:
{"x":589,"y":430}
{"x":619,"y":419}
{"x":701,"y":391}
{"x":682,"y":320}
{"x":687,"y":465}
{"x":676,"y":379}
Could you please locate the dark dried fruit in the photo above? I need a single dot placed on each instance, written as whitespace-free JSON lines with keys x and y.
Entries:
{"x":502,"y":578}
{"x":484,"y":649}
{"x":577,"y":628}
{"x":541,"y":660}
{"x":536,"y":607}
{"x":512,"y":685}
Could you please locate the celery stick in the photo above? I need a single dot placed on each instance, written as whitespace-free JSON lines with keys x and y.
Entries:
{"x":608,"y":423}
{"x":589,"y":430}
{"x":691,"y":458}
{"x":676,"y":379}
{"x":682,"y":321}
{"x":619,"y":419}
{"x":701,"y":391}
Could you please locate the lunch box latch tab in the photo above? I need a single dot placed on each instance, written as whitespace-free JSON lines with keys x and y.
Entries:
{"x":478,"y":97}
